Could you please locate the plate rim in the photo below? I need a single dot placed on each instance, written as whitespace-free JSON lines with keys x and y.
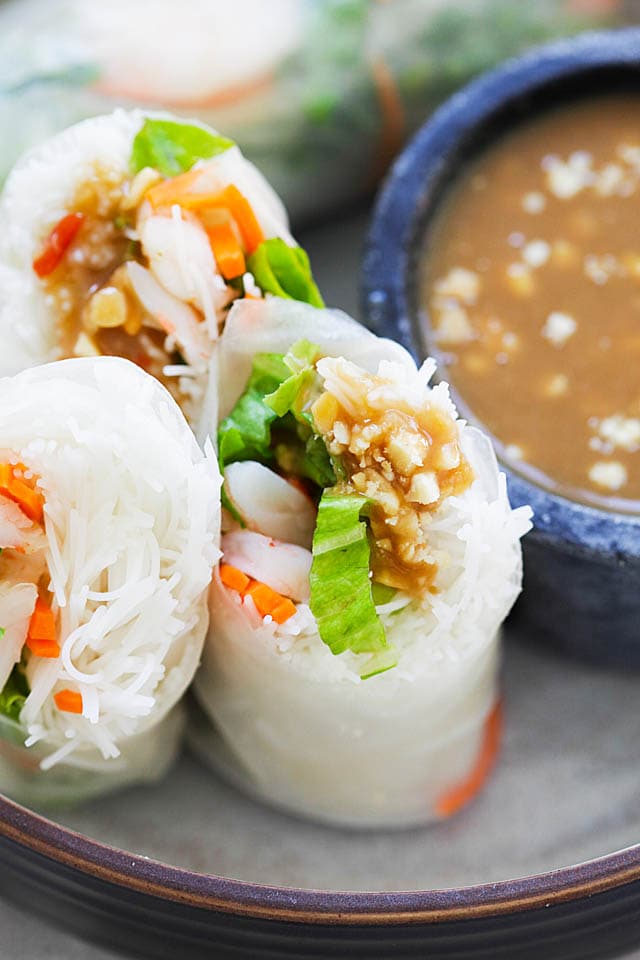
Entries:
{"x":208,"y":891}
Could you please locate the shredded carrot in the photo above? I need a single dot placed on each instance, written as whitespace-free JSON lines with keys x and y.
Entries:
{"x":233,"y":202}
{"x":269,"y":603}
{"x":264,"y":598}
{"x":69,"y":701}
{"x":233,"y":578}
{"x":41,"y":635}
{"x":180,"y":190}
{"x":460,"y":795}
{"x":284,"y":610}
{"x":229,"y":201}
{"x":21,"y":491}
{"x":57,"y":244}
{"x":48,"y":649}
{"x":242,"y":212}
{"x":226,"y":250}
{"x":174,"y":190}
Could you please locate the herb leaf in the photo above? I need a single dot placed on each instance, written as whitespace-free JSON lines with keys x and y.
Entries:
{"x":284,"y":271}
{"x":14,"y":693}
{"x":172,"y":148}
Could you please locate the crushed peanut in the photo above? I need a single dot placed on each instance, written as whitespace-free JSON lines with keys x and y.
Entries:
{"x":404,"y":457}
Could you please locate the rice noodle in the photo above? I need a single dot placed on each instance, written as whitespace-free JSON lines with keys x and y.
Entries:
{"x":131,"y":524}
{"x":298,"y":725}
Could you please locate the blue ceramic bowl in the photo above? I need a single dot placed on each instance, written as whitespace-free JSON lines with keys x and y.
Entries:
{"x":582,"y":564}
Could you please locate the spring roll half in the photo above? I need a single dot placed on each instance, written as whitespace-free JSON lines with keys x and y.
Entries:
{"x":109,"y":527}
{"x":130,"y":235}
{"x":370,"y":555}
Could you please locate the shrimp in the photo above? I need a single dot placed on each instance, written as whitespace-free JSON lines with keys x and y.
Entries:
{"x":269,"y":504}
{"x":282,"y":566}
{"x":177,"y":319}
{"x":16,"y":530}
{"x":181,"y":260}
{"x":17,"y":602}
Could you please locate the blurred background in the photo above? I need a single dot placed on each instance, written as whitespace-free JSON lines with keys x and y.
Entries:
{"x":321,"y":94}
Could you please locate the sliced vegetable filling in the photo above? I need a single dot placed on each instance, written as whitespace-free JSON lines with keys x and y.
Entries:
{"x":146,"y":265}
{"x":347,"y":468}
{"x":28,"y":616}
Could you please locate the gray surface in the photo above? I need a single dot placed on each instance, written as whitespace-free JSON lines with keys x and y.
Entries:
{"x":566,"y":788}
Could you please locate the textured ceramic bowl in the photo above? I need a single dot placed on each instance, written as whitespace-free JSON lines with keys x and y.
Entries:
{"x":582,"y":564}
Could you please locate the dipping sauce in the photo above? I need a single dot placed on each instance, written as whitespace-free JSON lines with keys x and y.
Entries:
{"x":532,"y":284}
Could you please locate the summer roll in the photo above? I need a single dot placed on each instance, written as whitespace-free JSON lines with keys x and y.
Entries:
{"x":370,"y":555}
{"x":130,"y":235}
{"x":109,"y":528}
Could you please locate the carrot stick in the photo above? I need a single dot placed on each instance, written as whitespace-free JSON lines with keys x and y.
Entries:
{"x":69,"y":701}
{"x":233,"y":578}
{"x":284,"y":611}
{"x":233,"y":202}
{"x":456,"y":798}
{"x":242,"y":212}
{"x":226,"y":250}
{"x":179,"y":190}
{"x":174,"y":190}
{"x":264,"y":598}
{"x":268,"y":601}
{"x":57,"y":244}
{"x":21,"y":491}
{"x":41,"y":635}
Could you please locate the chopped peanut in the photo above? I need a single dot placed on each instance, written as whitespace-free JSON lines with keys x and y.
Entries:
{"x":405,"y":460}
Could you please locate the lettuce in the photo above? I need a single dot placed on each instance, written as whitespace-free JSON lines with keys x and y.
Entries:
{"x":341,"y":596}
{"x":246,"y":433}
{"x":15,"y":692}
{"x":293,"y":392}
{"x":284,"y":271}
{"x":172,"y":148}
{"x":269,"y":423}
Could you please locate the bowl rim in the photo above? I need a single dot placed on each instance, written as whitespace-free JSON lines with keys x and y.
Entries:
{"x":398,"y":218}
{"x":158,"y":880}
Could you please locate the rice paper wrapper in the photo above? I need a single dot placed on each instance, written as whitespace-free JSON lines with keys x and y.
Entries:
{"x":146,"y":758}
{"x":42,"y":188}
{"x":342,"y":84}
{"x":296,"y":724}
{"x":131,"y":533}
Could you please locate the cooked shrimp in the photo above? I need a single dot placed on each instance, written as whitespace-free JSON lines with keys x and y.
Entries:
{"x":17,"y":602}
{"x":181,"y":260}
{"x":16,"y":529}
{"x":269,"y":504}
{"x":177,"y":319}
{"x":282,"y":566}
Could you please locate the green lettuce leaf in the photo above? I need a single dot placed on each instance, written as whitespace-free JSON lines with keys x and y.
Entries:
{"x":172,"y":148}
{"x":246,"y":433}
{"x":284,"y":271}
{"x":15,"y":692}
{"x":269,"y":423}
{"x":341,"y":597}
{"x":292,"y":394}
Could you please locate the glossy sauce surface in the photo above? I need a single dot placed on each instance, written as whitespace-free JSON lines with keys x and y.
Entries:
{"x":531,"y":282}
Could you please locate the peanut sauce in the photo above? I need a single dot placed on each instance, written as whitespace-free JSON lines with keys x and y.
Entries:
{"x":532,"y":286}
{"x":407,"y":461}
{"x":94,"y":265}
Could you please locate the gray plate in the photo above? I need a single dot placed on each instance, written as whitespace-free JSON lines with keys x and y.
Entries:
{"x":566,"y":788}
